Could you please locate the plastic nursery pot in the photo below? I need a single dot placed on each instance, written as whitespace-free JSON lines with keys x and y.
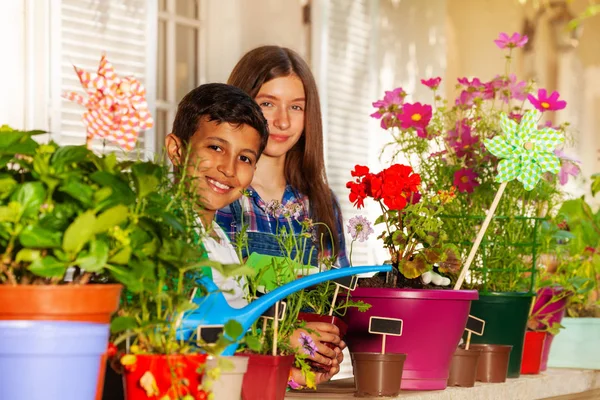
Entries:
{"x":376,"y":374}
{"x":101,"y":375}
{"x":426,"y":314}
{"x":493,"y":362}
{"x":50,"y":359}
{"x":266,"y":377}
{"x":84,"y":303}
{"x":532,"y":352}
{"x":228,"y":383}
{"x":463,"y":368}
{"x":174,"y":375}
{"x":505,"y":316}
{"x":329,"y":319}
{"x":578,"y":345}
{"x":556,"y":311}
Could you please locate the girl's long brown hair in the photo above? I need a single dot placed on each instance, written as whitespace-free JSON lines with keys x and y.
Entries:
{"x":304,"y":163}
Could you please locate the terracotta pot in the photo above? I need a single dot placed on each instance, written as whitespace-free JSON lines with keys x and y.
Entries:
{"x":228,"y":385}
{"x":463,"y":368}
{"x":493,"y":362}
{"x":81,"y":303}
{"x":266,"y":377}
{"x":328,"y":319}
{"x":175,"y":375}
{"x":376,"y":374}
{"x":532,"y":352}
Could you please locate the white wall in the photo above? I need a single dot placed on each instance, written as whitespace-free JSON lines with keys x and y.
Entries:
{"x":12,"y":67}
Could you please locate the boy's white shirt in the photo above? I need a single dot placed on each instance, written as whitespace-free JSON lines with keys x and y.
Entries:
{"x":222,"y":251}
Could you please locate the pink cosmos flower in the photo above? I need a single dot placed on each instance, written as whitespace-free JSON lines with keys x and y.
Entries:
{"x":359,"y":228}
{"x":491,"y":88}
{"x":545,"y":103}
{"x":416,"y":116}
{"x":511,"y":89}
{"x":569,"y":167}
{"x":432,"y":83}
{"x":516,"y":40}
{"x":517,"y":117}
{"x":473,"y":85}
{"x":466,"y":143}
{"x":465,"y":180}
{"x":389,"y":107}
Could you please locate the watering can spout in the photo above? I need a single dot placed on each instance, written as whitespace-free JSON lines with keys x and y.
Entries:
{"x":213,"y":309}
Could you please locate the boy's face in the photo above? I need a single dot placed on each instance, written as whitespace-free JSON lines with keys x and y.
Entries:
{"x":221,"y":162}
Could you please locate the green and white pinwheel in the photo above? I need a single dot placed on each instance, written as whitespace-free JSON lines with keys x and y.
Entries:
{"x":526,"y":151}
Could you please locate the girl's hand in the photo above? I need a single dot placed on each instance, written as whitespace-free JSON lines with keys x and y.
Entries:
{"x":320,"y":333}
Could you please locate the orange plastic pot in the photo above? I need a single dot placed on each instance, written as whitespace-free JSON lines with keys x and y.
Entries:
{"x":81,"y":303}
{"x":174,"y":375}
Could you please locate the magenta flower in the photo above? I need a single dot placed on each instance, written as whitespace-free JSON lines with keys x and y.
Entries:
{"x":466,"y":143}
{"x":517,"y":117}
{"x":465,"y":180}
{"x":545,"y":103}
{"x":490,"y":88}
{"x":359,"y":228}
{"x":432,"y":83}
{"x":511,"y":89}
{"x":416,"y":116}
{"x":516,"y":40}
{"x":568,"y":167}
{"x":308,"y":345}
{"x":389,"y":107}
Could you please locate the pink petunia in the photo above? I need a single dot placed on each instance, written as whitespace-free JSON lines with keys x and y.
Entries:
{"x":432,"y":83}
{"x":389,"y":108}
{"x":545,"y":103}
{"x":516,"y":40}
{"x":465,"y":180}
{"x":416,"y":116}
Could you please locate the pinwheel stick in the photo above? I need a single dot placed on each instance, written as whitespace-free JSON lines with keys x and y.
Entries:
{"x":479,"y":238}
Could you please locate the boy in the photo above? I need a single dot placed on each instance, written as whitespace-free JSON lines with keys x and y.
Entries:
{"x":219,"y":133}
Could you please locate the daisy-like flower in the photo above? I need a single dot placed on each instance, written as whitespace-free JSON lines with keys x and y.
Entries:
{"x":415,"y":116}
{"x":465,"y":180}
{"x":516,"y":40}
{"x":359,"y":228}
{"x":308,"y":345}
{"x":545,"y":102}
{"x":432,"y":83}
{"x":389,"y":108}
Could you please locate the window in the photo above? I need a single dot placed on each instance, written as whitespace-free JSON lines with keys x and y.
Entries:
{"x":180,"y":65}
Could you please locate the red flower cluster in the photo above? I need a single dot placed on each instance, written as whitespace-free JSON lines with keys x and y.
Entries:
{"x":396,"y":186}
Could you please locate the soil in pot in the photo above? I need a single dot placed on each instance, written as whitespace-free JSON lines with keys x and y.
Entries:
{"x":175,"y":375}
{"x":266,"y":377}
{"x":329,"y":319}
{"x":463,"y":368}
{"x":228,"y":383}
{"x":376,"y":374}
{"x":493,"y":362}
{"x":532,"y":352}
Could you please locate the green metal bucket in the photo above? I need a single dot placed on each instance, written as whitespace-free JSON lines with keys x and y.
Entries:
{"x":505,"y":316}
{"x":578,"y":345}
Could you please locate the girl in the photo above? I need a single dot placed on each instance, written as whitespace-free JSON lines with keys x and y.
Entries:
{"x":291,"y":170}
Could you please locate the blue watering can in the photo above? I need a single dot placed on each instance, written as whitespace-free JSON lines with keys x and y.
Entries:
{"x":213,"y":309}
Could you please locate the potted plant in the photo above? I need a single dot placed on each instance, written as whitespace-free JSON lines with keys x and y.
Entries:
{"x":414,"y":236}
{"x":577,"y":228}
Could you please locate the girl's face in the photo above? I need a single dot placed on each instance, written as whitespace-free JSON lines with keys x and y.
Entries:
{"x":283,"y":102}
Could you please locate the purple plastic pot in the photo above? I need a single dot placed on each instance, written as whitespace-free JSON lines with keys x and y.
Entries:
{"x":50,"y":359}
{"x":434,"y":321}
{"x":556,"y":311}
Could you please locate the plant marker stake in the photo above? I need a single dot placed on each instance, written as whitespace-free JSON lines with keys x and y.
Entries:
{"x":478,"y":330}
{"x":468,"y":340}
{"x":479,"y":238}
{"x":264,"y":329}
{"x":275,"y":328}
{"x":385,"y":326}
{"x":383,"y":344}
{"x":335,"y":294}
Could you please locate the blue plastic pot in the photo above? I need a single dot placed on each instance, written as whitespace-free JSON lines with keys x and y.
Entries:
{"x":42,"y":360}
{"x":578,"y":345}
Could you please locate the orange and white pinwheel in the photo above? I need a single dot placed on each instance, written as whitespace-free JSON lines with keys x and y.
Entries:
{"x":116,"y":107}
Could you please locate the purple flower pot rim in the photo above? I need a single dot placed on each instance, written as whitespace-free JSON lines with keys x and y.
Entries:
{"x":552,"y":291}
{"x":424,"y":294}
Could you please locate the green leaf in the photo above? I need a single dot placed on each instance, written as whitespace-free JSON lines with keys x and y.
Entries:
{"x":146,"y":177}
{"x":79,"y":232}
{"x":67,"y":155}
{"x":79,"y":191}
{"x":126,"y":277}
{"x":26,"y":146}
{"x":253,"y":343}
{"x":48,"y":267}
{"x":595,"y":184}
{"x":121,"y":192}
{"x":28,"y":255}
{"x":233,"y":329}
{"x":31,"y":196}
{"x":11,"y":212}
{"x":9,"y":138}
{"x":110,"y":218}
{"x":122,"y":257}
{"x":96,"y":258}
{"x":37,"y":237}
{"x":7,"y":185}
{"x":121,"y":324}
